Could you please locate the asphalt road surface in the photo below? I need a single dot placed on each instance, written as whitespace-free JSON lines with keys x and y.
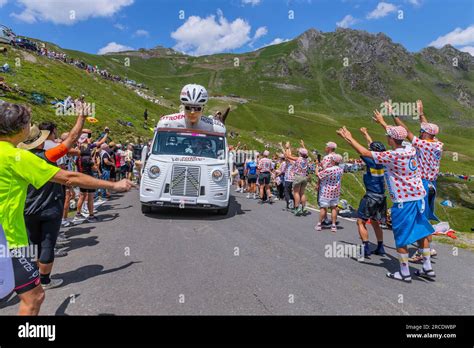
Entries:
{"x":257,"y":260}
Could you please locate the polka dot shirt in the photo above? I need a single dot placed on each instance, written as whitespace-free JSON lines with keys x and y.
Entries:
{"x":330,"y":183}
{"x":402,"y":174}
{"x":428,"y":153}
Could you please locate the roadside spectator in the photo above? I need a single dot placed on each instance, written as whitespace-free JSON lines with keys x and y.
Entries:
{"x":18,"y":169}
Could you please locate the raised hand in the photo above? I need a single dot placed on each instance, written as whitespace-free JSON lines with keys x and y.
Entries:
{"x":419,"y":107}
{"x":363,"y":130}
{"x":378,"y":117}
{"x":344,"y":133}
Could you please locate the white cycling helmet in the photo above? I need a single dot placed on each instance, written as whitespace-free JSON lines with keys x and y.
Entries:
{"x":194,"y":95}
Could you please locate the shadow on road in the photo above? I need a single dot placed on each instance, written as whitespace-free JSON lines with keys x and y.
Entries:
{"x":63,"y":306}
{"x":90,"y":271}
{"x":77,"y":231}
{"x":389,"y":262}
{"x":235,"y":208}
{"x":78,"y":243}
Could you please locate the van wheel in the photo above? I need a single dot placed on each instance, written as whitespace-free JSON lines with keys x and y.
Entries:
{"x":146,"y":209}
{"x":223,"y":211}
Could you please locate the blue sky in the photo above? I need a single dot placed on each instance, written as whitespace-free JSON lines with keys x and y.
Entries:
{"x":213,"y":26}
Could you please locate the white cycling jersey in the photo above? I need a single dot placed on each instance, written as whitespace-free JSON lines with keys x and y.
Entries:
{"x":179,"y":121}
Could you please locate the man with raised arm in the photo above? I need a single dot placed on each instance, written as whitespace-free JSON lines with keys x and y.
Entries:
{"x":373,"y":206}
{"x":406,"y":190}
{"x":428,"y":153}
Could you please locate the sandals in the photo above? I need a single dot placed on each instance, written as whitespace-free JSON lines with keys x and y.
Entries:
{"x":405,"y":279}
{"x":425,"y":273}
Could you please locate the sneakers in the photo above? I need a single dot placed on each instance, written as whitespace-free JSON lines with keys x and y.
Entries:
{"x":91,"y":218}
{"x":78,"y":219}
{"x":367,"y":251}
{"x":61,"y":240}
{"x":318,"y":227}
{"x":248,"y":195}
{"x":298,"y":211}
{"x":333,"y":228}
{"x":59,"y":253}
{"x":237,"y":189}
{"x":255,"y":196}
{"x":65,"y":223}
{"x":379,"y":251}
{"x":433,"y":252}
{"x":54,"y":283}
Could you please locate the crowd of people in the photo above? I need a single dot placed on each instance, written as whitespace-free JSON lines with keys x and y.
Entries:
{"x":408,"y":170}
{"x":44,"y":176}
{"x":44,"y":51}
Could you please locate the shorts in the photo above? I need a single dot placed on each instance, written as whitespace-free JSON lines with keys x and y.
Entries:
{"x":252,"y":178}
{"x":327,"y":203}
{"x":300,"y":180}
{"x":373,"y":206}
{"x":25,"y":270}
{"x":113,"y":175}
{"x":241,"y":173}
{"x":264,"y":178}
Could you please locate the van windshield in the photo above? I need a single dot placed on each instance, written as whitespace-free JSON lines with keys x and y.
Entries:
{"x":189,"y":144}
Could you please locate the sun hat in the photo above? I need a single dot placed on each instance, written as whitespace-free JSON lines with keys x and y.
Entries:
{"x":397,"y":132}
{"x":430,"y":128}
{"x":331,"y":145}
{"x":35,"y":138}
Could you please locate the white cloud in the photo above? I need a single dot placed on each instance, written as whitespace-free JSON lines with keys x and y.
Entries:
{"x":457,"y":37}
{"x":3,"y":2}
{"x":468,"y":49}
{"x":114,"y":47}
{"x":141,"y":33}
{"x":262,"y":31}
{"x":347,"y":21}
{"x":415,"y":3}
{"x":276,"y":42}
{"x":382,"y":10}
{"x":120,"y":26}
{"x":251,"y":2}
{"x":201,"y":36}
{"x":60,"y":11}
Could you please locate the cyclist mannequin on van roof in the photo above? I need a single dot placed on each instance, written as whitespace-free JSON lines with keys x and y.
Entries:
{"x":193,"y":98}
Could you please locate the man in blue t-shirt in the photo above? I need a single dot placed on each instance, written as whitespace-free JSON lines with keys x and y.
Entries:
{"x":250,"y":171}
{"x":373,"y":206}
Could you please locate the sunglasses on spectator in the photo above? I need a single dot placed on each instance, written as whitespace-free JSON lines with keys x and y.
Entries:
{"x":195,"y":108}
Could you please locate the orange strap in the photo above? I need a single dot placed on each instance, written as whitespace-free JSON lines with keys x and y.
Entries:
{"x":56,"y":153}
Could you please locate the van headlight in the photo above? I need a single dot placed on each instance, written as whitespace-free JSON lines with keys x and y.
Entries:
{"x":217,"y":175}
{"x":153,"y":172}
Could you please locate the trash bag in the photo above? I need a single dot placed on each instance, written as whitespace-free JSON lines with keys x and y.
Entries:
{"x":447,"y":203}
{"x":37,"y":98}
{"x":441,"y":227}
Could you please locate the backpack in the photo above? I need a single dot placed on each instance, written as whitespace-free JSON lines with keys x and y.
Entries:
{"x":85,"y":161}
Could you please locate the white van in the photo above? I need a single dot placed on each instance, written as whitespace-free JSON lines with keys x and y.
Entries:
{"x":6,"y":35}
{"x":187,"y":169}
